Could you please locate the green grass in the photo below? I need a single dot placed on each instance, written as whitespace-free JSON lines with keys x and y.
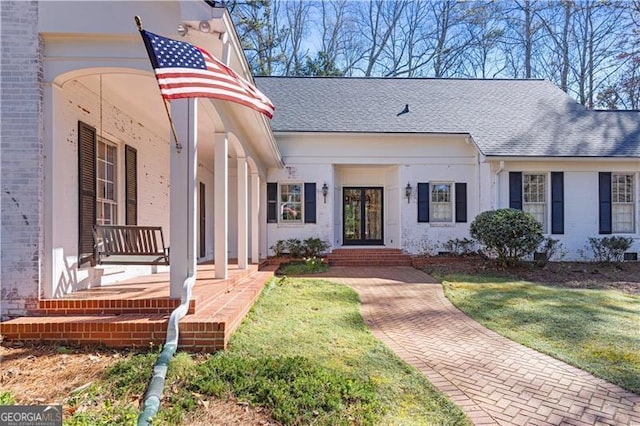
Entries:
{"x":303,"y":352}
{"x":321,"y":322}
{"x":595,"y":330}
{"x":6,"y":398}
{"x":296,"y":268}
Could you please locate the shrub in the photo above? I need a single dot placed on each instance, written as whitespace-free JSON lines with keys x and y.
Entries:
{"x":294,"y":247}
{"x":548,"y":249}
{"x":313,"y":247}
{"x":511,"y":234}
{"x":461,"y":247}
{"x":609,"y":249}
{"x":279,"y":248}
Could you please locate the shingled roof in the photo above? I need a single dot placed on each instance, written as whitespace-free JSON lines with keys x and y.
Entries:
{"x":504,"y":117}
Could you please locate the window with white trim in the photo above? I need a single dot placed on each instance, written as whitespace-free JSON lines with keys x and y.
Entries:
{"x":107,"y":182}
{"x":622,"y":203}
{"x":534,"y":197}
{"x":290,"y":207}
{"x":441,"y":205}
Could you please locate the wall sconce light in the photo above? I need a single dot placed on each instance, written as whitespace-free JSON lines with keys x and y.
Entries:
{"x":407,"y":192}
{"x":325,"y":191}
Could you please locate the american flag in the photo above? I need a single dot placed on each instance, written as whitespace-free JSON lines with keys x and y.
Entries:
{"x":187,"y":71}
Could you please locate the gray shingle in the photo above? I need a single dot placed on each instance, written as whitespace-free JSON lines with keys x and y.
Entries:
{"x":504,"y":117}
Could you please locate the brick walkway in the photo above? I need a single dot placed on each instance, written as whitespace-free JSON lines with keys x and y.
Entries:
{"x":493,"y":379}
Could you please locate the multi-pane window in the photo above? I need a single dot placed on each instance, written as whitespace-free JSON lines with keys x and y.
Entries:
{"x":291,"y":202}
{"x":106,"y":172}
{"x":622,"y":203}
{"x":441,"y":205}
{"x":534,"y":197}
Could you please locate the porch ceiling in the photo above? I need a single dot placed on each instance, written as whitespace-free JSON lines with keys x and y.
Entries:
{"x":139,"y":97}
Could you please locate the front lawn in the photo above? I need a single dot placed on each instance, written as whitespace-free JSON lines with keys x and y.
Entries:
{"x":595,"y":330}
{"x":304,"y":354}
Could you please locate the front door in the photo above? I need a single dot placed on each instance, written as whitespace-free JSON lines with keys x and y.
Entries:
{"x":362,"y":216}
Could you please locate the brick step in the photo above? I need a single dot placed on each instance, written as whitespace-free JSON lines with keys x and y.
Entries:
{"x":366,"y":251}
{"x":70,"y":306}
{"x":214,"y":323}
{"x":118,"y":331}
{"x":369,"y":257}
{"x":359,"y":262}
{"x":207,"y":329}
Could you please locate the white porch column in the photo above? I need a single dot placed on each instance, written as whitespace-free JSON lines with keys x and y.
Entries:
{"x":221,"y":205}
{"x":243,"y":213}
{"x":53,"y":268}
{"x":255,"y":219}
{"x":183,"y":212}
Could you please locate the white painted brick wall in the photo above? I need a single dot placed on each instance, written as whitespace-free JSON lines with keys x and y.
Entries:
{"x":21,"y":167}
{"x":80,"y":103}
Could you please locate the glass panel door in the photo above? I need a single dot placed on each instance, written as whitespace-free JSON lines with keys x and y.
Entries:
{"x":362,"y":216}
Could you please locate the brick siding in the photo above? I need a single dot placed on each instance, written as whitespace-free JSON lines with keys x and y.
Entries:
{"x":21,"y":244}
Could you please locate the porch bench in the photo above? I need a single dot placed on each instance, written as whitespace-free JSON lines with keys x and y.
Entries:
{"x":129,"y":245}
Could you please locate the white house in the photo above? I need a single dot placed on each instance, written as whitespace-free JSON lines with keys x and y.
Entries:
{"x":396,"y":163}
{"x":409,"y":163}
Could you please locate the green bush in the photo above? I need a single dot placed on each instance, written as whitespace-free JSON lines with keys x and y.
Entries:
{"x":313,"y":247}
{"x":294,"y":248}
{"x":549,"y":248}
{"x":279,"y":248}
{"x":609,"y":249}
{"x":461,"y":247}
{"x":509,"y":233}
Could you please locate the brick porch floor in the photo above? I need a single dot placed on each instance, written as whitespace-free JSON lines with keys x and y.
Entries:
{"x":134,"y":313}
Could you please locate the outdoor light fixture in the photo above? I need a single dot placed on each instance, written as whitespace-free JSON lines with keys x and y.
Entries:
{"x":204,"y":26}
{"x":325,"y":191}
{"x":407,"y":192}
{"x":182,"y":30}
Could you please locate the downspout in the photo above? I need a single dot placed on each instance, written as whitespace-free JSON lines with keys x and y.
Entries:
{"x":497,"y":195}
{"x":153,"y":396}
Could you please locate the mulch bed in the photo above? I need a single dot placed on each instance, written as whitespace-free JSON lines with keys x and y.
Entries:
{"x":591,"y":275}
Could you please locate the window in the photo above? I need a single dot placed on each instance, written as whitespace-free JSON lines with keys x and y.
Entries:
{"x":622,"y":203}
{"x":436,"y":202}
{"x":285,"y":202}
{"x":291,"y":202}
{"x":97,"y":186}
{"x":441,"y":206}
{"x":534,"y":193}
{"x":106,"y":172}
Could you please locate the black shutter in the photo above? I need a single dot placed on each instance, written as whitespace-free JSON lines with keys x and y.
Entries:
{"x":423,"y":202}
{"x":461,"y":202}
{"x":515,"y":190}
{"x":86,"y":190}
{"x":309,"y":202}
{"x":203,"y":220}
{"x":131,"y":184}
{"x":557,"y":202}
{"x":604,"y":186}
{"x":272,"y":202}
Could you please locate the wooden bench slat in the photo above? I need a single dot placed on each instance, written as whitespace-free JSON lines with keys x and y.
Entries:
{"x":130,"y":241}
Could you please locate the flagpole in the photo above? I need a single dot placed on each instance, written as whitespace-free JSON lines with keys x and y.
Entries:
{"x":164,"y":101}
